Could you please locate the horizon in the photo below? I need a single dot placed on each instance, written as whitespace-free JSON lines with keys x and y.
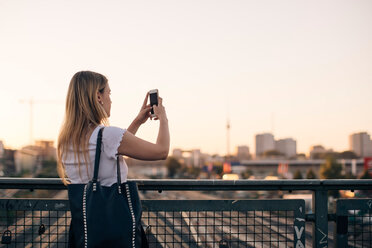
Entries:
{"x":296,"y":69}
{"x":233,"y":153}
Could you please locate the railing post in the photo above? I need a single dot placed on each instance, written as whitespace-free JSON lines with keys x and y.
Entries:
{"x":320,"y":225}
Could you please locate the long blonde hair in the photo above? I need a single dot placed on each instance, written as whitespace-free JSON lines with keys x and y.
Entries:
{"x":82,"y":110}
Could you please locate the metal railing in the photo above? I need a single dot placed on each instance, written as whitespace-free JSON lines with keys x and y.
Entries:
{"x":354,"y":223}
{"x":205,"y":223}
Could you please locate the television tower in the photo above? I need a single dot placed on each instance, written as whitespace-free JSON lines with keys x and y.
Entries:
{"x":228,"y":138}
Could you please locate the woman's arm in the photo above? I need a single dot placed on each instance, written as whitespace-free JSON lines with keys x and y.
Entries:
{"x":142,"y":116}
{"x":137,"y":148}
{"x":133,"y":127}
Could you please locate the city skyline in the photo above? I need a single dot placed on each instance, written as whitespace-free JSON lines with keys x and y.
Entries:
{"x":295,"y":68}
{"x":279,"y":145}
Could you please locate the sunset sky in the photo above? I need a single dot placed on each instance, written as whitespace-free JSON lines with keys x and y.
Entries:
{"x":299,"y":69}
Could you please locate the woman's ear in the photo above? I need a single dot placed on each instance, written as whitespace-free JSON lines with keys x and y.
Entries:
{"x":99,"y":96}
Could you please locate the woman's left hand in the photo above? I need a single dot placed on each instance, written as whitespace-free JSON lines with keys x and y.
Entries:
{"x":144,"y":113}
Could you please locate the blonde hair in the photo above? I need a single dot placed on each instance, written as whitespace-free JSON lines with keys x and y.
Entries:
{"x":82,"y":110}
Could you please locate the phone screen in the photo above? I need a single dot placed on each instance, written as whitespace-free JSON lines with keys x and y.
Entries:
{"x":153,"y":100}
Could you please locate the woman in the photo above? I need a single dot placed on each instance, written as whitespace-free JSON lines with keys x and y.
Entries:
{"x":88,"y":106}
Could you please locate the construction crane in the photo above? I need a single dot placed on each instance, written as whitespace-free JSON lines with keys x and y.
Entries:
{"x":31,"y":103}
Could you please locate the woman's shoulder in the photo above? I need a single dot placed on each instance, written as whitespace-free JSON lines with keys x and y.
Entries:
{"x":109,"y":133}
{"x":112,"y":130}
{"x":111,"y":139}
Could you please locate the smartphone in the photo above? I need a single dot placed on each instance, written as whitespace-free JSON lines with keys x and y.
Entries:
{"x":154,"y":94}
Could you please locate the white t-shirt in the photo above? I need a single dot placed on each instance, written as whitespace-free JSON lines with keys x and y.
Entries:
{"x":107,"y":174}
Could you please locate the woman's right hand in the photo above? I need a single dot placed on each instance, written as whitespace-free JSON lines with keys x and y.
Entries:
{"x":137,"y":148}
{"x":159,"y":111}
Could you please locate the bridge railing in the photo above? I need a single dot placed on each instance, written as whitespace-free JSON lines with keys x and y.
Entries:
{"x":205,"y":223}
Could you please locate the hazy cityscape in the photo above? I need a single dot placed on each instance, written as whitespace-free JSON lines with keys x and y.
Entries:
{"x":273,"y":159}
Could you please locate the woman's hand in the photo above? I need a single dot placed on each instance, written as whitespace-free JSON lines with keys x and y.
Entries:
{"x":142,"y":116}
{"x":159,"y":110}
{"x":144,"y":113}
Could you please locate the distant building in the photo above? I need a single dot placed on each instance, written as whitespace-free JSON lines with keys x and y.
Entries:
{"x":361,"y":144}
{"x":177,"y":153}
{"x":213,"y":159}
{"x":316,"y":150}
{"x":8,"y":162}
{"x":26,"y":159}
{"x":287,"y":147}
{"x":193,"y":157}
{"x":1,"y":149}
{"x":46,"y":149}
{"x":242,"y":153}
{"x":196,"y":158}
{"x":264,"y":142}
{"x":30,"y":157}
{"x":269,"y":167}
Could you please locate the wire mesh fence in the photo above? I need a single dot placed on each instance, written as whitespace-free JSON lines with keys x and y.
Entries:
{"x":220,"y":229}
{"x":168,"y":223}
{"x":354,"y":223}
{"x":225,"y":223}
{"x":34,"y":223}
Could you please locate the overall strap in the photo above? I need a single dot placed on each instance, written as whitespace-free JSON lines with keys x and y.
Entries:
{"x":118,"y":169}
{"x":118,"y":173}
{"x":97,"y":159}
{"x":98,"y":155}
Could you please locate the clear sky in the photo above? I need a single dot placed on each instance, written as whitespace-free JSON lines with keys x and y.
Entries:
{"x":300,"y":69}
